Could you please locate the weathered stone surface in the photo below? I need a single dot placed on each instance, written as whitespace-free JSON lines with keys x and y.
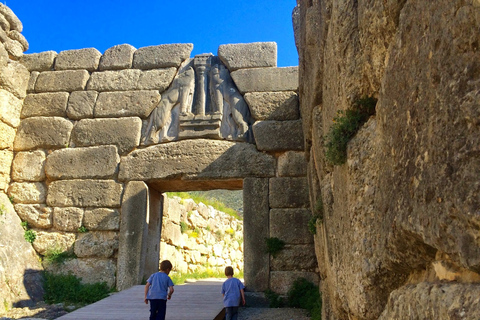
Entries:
{"x":121,"y":80}
{"x":288,"y":193}
{"x":6,"y":157}
{"x":15,"y":35}
{"x":14,"y":49}
{"x":14,"y":78}
{"x":27,"y":192}
{"x":123,"y":132}
{"x":4,"y":58}
{"x":45,"y":104}
{"x":32,"y":81}
{"x":126,"y":103}
{"x":67,"y":219}
{"x":42,"y":132}
{"x":81,"y":104}
{"x":133,"y":235}
{"x":29,"y":166}
{"x":20,"y":276}
{"x":291,"y":225}
{"x":4,"y":24}
{"x":280,"y":106}
{"x":434,"y":301}
{"x":102,"y":219}
{"x":281,"y":281}
{"x":96,"y":244}
{"x":10,"y":108}
{"x":299,"y":257}
{"x":171,"y":234}
{"x":37,"y":215}
{"x":256,"y":218}
{"x":7,"y":136}
{"x":162,"y":56}
{"x":68,"y":80}
{"x":266,"y":79}
{"x":14,"y":22}
{"x":117,"y":57}
{"x":84,"y":193}
{"x":47,"y":241}
{"x":292,"y":164}
{"x":159,"y":79}
{"x":196,"y":159}
{"x":82,"y":163}
{"x":248,"y":55}
{"x":278,"y":135}
{"x":91,"y":270}
{"x":80,"y":59}
{"x":42,"y":61}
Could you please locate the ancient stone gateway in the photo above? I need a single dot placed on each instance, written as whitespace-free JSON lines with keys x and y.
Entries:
{"x":103,"y":136}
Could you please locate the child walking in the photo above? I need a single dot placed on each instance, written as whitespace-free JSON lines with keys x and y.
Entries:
{"x":158,"y":289}
{"x":233,"y":294}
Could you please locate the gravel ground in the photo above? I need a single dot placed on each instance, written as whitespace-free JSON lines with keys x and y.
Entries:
{"x":272,"y":314}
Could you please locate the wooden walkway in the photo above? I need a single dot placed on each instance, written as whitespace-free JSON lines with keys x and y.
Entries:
{"x":201,"y":300}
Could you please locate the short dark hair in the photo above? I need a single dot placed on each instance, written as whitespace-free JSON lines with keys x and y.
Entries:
{"x":165,"y":265}
{"x":229,"y":271}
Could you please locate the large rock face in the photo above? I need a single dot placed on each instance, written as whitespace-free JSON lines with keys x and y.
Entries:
{"x":407,"y":198}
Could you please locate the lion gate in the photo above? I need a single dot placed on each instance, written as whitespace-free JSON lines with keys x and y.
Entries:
{"x":102,"y":136}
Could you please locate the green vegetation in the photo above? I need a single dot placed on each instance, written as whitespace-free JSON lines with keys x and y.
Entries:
{"x":274,"y":245}
{"x":274,"y":299}
{"x":220,"y":206}
{"x":57,"y":256}
{"x":29,"y":235}
{"x":82,"y":229}
{"x":305,"y":295}
{"x":180,"y":278}
{"x":11,"y":198}
{"x":345,"y":126}
{"x":68,"y":288}
{"x":317,"y":216}
{"x":183,"y":227}
{"x":3,"y":210}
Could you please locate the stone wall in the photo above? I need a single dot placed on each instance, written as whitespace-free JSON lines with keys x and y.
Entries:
{"x":209,"y":239}
{"x":399,"y":234}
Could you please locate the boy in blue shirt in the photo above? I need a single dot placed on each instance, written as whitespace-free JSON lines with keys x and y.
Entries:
{"x":156,"y":291}
{"x":233,"y":294}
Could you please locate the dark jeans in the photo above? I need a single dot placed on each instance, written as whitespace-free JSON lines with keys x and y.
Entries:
{"x":231,"y":313}
{"x":158,"y":308}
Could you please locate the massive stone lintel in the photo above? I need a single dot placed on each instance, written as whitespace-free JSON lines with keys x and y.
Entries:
{"x":248,"y":55}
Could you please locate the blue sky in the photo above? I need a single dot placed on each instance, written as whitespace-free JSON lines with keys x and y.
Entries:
{"x":73,"y":24}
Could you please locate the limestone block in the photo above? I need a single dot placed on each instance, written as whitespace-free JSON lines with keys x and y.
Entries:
{"x":42,"y":132}
{"x":15,"y":35}
{"x":91,"y":270}
{"x":282,"y":105}
{"x":279,"y":135}
{"x":3,"y":37}
{"x":68,"y":80}
{"x":80,"y":59}
{"x":84,"y":193}
{"x":10,"y":108}
{"x":32,"y":81}
{"x":291,"y":225}
{"x":121,"y":80}
{"x":7,"y":136}
{"x":81,"y":104}
{"x":171,"y":234}
{"x":256,"y":219}
{"x":45,"y":104}
{"x":96,"y":244}
{"x":4,"y":58}
{"x":248,"y":55}
{"x":6,"y":157}
{"x":126,"y":103}
{"x":117,"y":57}
{"x":173,"y":209}
{"x":266,"y":79}
{"x":158,"y":79}
{"x":14,"y":78}
{"x":101,"y":219}
{"x":50,"y":241}
{"x":15,"y":23}
{"x":281,"y":281}
{"x":67,"y":219}
{"x":289,"y":193}
{"x":42,"y":61}
{"x":196,"y":159}
{"x":292,"y":164}
{"x":14,"y":49}
{"x":37,"y":215}
{"x":27,"y":192}
{"x":162,"y":56}
{"x":29,"y":166}
{"x":4,"y":24}
{"x":82,"y":163}
{"x":122,"y":132}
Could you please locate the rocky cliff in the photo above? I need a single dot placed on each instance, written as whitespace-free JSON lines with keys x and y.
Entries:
{"x":398,"y":235}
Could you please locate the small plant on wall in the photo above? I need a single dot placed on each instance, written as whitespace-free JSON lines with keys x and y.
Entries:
{"x":29,"y":235}
{"x":345,"y":126}
{"x":274,"y":245}
{"x":317,"y":216}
